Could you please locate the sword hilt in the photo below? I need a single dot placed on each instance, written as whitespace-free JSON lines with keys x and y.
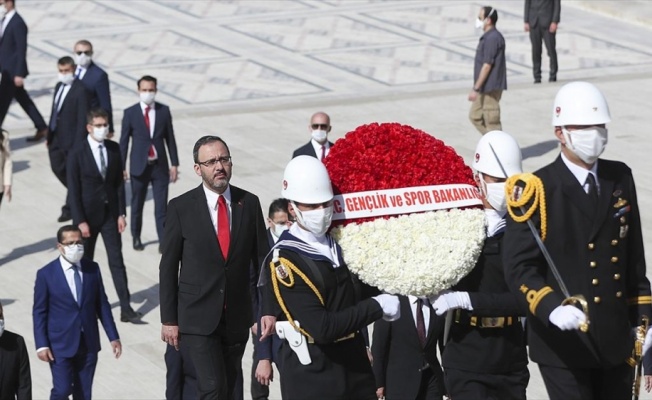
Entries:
{"x":579,"y":299}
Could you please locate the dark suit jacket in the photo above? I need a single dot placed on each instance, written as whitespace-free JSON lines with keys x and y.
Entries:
{"x":133,"y":126}
{"x":96,"y":81}
{"x":71,"y":119}
{"x":598,"y":251}
{"x":59,"y":320}
{"x":194,"y":296}
{"x":398,"y":355}
{"x":15,"y":376}
{"x":13,"y":48}
{"x":307,"y":150}
{"x":90,"y":196}
{"x":542,"y":12}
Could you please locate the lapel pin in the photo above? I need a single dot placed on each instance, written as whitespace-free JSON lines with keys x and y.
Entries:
{"x":617,"y":192}
{"x":620,"y":203}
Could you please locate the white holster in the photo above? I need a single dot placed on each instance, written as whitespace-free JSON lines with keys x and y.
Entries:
{"x":296,"y":339}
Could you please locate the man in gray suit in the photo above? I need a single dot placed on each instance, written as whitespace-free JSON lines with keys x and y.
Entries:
{"x":541,"y":20}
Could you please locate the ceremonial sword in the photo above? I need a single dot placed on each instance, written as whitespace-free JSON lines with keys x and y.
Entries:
{"x":584,"y":326}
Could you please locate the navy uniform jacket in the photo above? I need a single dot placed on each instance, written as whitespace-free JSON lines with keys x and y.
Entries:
{"x":339,"y":370}
{"x":599,"y":254}
{"x":487,"y":350}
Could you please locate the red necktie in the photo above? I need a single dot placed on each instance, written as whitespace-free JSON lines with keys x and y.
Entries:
{"x":223,"y":232}
{"x":151,"y":154}
{"x":323,"y":152}
{"x":421,"y":324}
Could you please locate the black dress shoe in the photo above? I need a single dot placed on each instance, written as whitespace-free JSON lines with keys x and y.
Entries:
{"x":130,"y":316}
{"x":40,"y":134}
{"x":64,"y":217}
{"x":138,"y":245}
{"x":537,"y":81}
{"x":552,"y":79}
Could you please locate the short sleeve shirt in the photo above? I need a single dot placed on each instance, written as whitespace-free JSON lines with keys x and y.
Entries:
{"x":491,"y":50}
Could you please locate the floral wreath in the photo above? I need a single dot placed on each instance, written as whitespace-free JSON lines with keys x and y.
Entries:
{"x":407,"y":211}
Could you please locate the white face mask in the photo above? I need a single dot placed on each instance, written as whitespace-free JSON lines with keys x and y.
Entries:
{"x":73,"y":253}
{"x":100,"y":133}
{"x":495,"y":194}
{"x":147,"y":97}
{"x":319,"y":135}
{"x":83,"y":60}
{"x":66,"y":79}
{"x":279,"y":229}
{"x":3,"y":11}
{"x":315,"y":221}
{"x":2,"y":326}
{"x":587,"y":143}
{"x":479,"y":23}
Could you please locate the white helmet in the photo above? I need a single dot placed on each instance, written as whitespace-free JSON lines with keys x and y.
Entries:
{"x":306,"y":181}
{"x":580,"y":103}
{"x":498,"y":148}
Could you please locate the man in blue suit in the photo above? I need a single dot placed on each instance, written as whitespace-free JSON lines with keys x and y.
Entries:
{"x":94,"y":78}
{"x":13,"y":66}
{"x":69,"y":298}
{"x":149,"y":125}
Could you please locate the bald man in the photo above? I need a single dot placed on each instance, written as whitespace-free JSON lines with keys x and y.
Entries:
{"x":319,"y":146}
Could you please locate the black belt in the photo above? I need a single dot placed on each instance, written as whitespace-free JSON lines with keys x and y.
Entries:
{"x":152,"y":162}
{"x":465,"y":318}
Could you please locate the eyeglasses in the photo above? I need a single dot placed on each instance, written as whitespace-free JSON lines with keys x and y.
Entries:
{"x":210,"y":163}
{"x":320,"y":126}
{"x":87,"y":52}
{"x":79,"y":242}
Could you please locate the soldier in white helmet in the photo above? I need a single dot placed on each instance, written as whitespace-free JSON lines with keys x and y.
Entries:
{"x":319,"y":301}
{"x":593,"y":236}
{"x":485,"y":356}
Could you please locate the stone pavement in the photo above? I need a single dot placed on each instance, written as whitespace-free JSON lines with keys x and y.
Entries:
{"x":254,"y":71}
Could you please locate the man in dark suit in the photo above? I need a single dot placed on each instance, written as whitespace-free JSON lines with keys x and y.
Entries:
{"x":97,"y":200}
{"x":149,"y":125}
{"x":94,"y":78}
{"x":541,"y":20}
{"x":67,"y":123}
{"x":318,"y":146}
{"x":593,"y":235}
{"x":215,"y":232}
{"x":69,"y":298}
{"x":15,"y":376}
{"x":405,"y":353}
{"x":13,"y":66}
{"x":180,"y":376}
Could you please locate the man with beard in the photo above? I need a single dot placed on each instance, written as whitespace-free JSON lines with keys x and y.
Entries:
{"x":214,"y":231}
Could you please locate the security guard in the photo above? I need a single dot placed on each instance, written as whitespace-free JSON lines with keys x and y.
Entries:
{"x":324,"y":356}
{"x":485,"y":356}
{"x":591,"y":227}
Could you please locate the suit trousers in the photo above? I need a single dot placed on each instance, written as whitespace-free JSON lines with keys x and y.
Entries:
{"x":588,"y":384}
{"x":538,"y":34}
{"x":159,"y":176}
{"x":180,"y":382}
{"x":113,"y":244}
{"x":258,"y":390}
{"x":58,"y":159}
{"x":485,"y":111}
{"x":73,"y":375}
{"x":466,"y":385}
{"x":9,"y":91}
{"x":217,"y":358}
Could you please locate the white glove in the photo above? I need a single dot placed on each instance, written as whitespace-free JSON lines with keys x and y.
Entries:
{"x":567,"y":317}
{"x":390,"y":305}
{"x":451,"y":301}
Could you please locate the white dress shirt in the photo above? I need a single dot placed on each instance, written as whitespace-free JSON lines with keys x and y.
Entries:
{"x":95,"y":148}
{"x":317,"y":146}
{"x":5,"y":21}
{"x":61,"y":95}
{"x":581,"y":174}
{"x":426,"y":310}
{"x":495,"y":222}
{"x":80,"y":72}
{"x":211,"y":202}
